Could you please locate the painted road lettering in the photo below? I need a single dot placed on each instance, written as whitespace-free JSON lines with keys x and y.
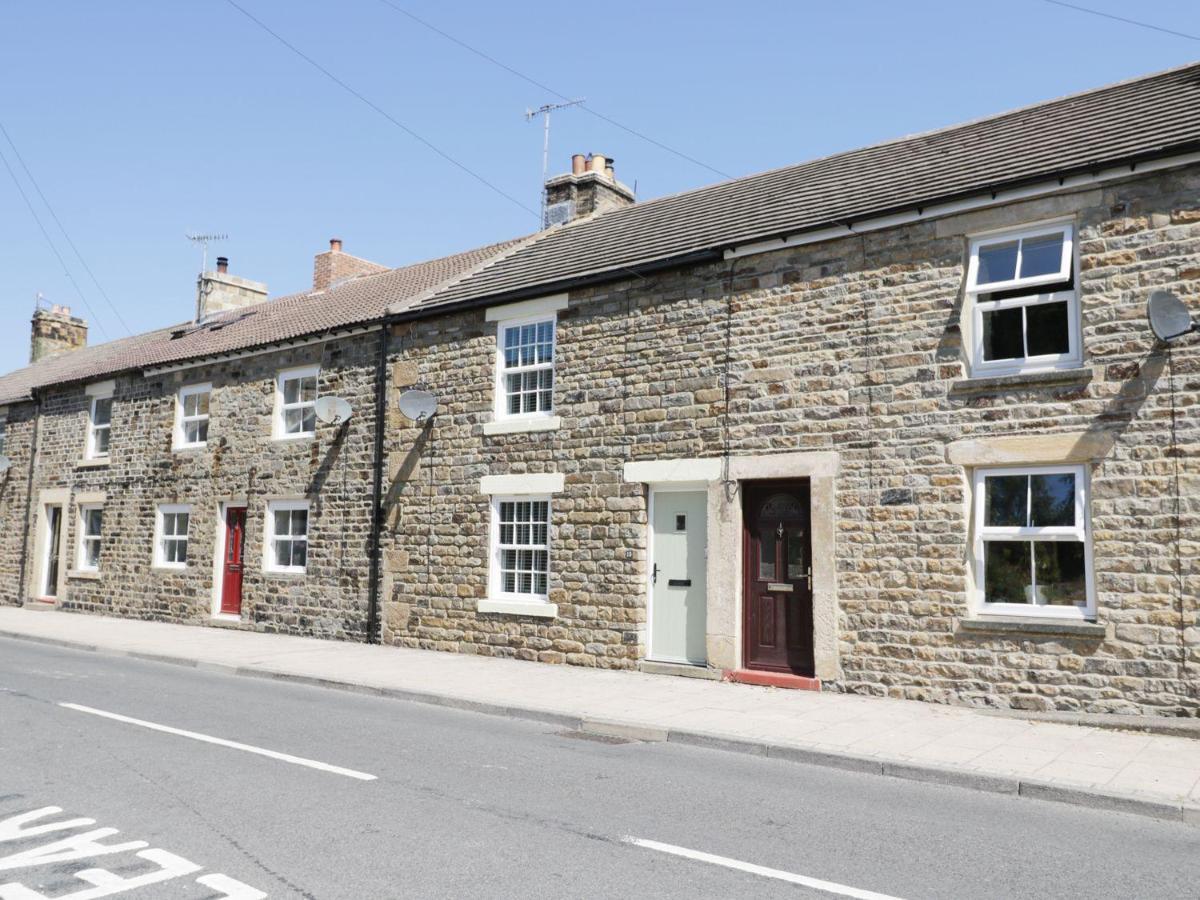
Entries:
{"x":54,"y":849}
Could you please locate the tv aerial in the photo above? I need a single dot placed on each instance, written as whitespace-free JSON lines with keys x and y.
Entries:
{"x":418,"y":406}
{"x":333,"y":410}
{"x":1169,"y":316}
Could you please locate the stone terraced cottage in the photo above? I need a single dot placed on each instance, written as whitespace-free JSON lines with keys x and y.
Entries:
{"x":889,"y":422}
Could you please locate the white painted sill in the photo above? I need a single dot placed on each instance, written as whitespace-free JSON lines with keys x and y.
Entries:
{"x":522,"y":426}
{"x":189,"y":448}
{"x":225,"y":617}
{"x":96,"y":463}
{"x":290,"y":438}
{"x":284,"y":574}
{"x":84,"y":574}
{"x":519,"y":608}
{"x":165,"y":569}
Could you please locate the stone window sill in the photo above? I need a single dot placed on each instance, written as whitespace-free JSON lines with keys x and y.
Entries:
{"x":1042,"y":626}
{"x":519,"y":608}
{"x":83,"y":575}
{"x":276,"y":574}
{"x":93,"y":463}
{"x":1025,"y":379}
{"x":522,"y":426}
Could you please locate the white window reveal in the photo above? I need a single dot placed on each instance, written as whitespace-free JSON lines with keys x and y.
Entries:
{"x":1033,"y":542}
{"x":191,"y":416}
{"x":295,"y":403}
{"x":287,"y":536}
{"x":521,"y":552}
{"x":3,"y":434}
{"x":171,"y":536}
{"x":1023,"y":301}
{"x":91,"y":528}
{"x":99,"y":420}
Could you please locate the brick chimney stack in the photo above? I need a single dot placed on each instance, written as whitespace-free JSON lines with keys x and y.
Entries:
{"x":590,"y":187}
{"x":55,"y":332}
{"x":334,"y":266}
{"x":219,"y":291}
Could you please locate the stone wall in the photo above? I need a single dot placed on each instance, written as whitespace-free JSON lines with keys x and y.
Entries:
{"x":240,"y":462}
{"x":852,"y":345}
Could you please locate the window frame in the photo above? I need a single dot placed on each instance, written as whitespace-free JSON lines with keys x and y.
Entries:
{"x":160,"y":538}
{"x":495,"y":551}
{"x":83,"y":537}
{"x":92,"y":428}
{"x":279,"y":427}
{"x":1068,"y":269}
{"x":1080,"y":532}
{"x":182,"y":419}
{"x":502,"y":372}
{"x":269,"y":536}
{"x":3,"y":432}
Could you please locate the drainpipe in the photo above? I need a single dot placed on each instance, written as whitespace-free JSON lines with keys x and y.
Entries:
{"x":22,"y":589}
{"x":373,"y":543}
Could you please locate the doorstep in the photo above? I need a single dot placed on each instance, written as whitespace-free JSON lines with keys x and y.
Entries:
{"x":772,"y":679}
{"x":683,"y":670}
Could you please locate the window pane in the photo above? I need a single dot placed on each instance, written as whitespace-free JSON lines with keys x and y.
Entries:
{"x":101,"y":441}
{"x":508,"y":560}
{"x":308,"y":389}
{"x":1060,"y":573}
{"x":546,"y":390}
{"x":541,"y":511}
{"x":283,"y":552}
{"x":1002,"y":334}
{"x":283,"y":523}
{"x":91,"y":554}
{"x":300,"y":521}
{"x":103,"y":412}
{"x":1047,"y":330}
{"x":796,"y":565}
{"x":1041,"y":255}
{"x":291,"y":390}
{"x":510,"y":582}
{"x":308,"y":421}
{"x":1006,"y":568}
{"x":293,"y":421}
{"x":201,"y":432}
{"x":997,"y":262}
{"x":1053,"y":499}
{"x":507,"y":511}
{"x":299,"y":553}
{"x":93,"y":521}
{"x":766,"y":555}
{"x":514,"y":394}
{"x":1006,"y":500}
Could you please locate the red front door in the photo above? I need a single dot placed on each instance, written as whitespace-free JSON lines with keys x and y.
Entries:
{"x":778,"y":622}
{"x":235,"y":541}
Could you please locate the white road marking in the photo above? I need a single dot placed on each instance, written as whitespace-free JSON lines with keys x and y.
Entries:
{"x":830,"y":887}
{"x":222,"y":742}
{"x":230,"y":888}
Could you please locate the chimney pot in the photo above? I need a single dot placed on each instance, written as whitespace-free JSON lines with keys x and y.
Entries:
{"x":335,"y":245}
{"x":597,"y":163}
{"x":222,"y":264}
{"x":578,"y":164}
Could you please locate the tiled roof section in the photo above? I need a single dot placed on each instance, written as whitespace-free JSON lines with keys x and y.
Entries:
{"x":1154,"y":115}
{"x":352,"y":303}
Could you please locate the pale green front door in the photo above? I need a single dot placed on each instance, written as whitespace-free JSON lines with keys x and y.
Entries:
{"x":677,"y":575}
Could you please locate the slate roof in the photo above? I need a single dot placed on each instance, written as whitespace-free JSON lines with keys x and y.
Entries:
{"x":1153,"y":116}
{"x":355,"y":302}
{"x":1146,"y":117}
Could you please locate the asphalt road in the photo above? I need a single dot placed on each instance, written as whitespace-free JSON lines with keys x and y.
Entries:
{"x":466,"y":805}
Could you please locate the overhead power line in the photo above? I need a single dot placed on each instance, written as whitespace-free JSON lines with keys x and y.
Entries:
{"x":587,"y":109}
{"x":46,"y":234}
{"x":378,"y":109}
{"x":1104,"y":15}
{"x":62,"y":228}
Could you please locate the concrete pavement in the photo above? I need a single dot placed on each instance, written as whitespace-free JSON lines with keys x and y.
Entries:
{"x":467,"y":805}
{"x":1148,"y":774}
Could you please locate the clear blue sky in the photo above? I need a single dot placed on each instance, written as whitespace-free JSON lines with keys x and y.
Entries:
{"x":144,"y":119}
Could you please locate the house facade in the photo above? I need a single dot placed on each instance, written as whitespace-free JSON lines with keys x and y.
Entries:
{"x":892,"y":422}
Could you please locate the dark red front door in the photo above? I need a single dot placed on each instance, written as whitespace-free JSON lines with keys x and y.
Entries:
{"x":778,"y":620}
{"x":235,"y":540}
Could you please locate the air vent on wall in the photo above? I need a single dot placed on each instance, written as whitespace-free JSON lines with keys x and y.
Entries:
{"x":560,"y":213}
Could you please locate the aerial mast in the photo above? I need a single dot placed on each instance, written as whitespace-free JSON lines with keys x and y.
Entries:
{"x":544,"y":111}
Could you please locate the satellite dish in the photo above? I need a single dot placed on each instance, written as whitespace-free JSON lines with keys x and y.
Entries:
{"x":1169,"y":317}
{"x":418,"y":405}
{"x":333,"y":410}
{"x":5,"y":463}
